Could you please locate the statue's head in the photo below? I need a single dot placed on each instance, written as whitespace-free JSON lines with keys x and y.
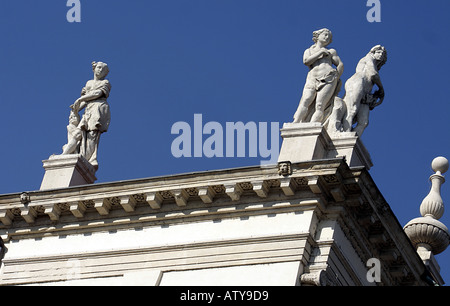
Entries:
{"x":379,"y":53}
{"x":324,"y":35}
{"x":100,"y":69}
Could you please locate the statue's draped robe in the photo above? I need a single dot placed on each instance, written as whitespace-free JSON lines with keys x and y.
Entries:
{"x":97,"y":115}
{"x":96,"y":119}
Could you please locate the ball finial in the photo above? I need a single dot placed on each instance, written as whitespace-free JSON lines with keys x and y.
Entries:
{"x":427,"y":231}
{"x":440,"y":165}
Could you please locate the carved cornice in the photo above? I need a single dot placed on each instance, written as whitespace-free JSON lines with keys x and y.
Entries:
{"x":169,"y":195}
{"x":329,"y":187}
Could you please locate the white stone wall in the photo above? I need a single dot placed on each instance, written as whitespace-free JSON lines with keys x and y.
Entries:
{"x":307,"y":223}
{"x":263,"y":244}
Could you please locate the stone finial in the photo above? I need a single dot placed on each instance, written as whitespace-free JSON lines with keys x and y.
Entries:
{"x":427,"y":232}
{"x":439,"y":165}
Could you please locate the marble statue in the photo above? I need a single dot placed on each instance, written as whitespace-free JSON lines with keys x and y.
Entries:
{"x":358,"y":99}
{"x":74,"y":134}
{"x":322,"y":81}
{"x":84,"y":134}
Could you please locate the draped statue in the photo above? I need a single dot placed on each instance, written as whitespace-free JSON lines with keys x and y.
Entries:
{"x":84,"y":135}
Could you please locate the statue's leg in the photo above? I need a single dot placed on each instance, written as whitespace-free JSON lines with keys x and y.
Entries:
{"x":92,"y":139}
{"x":336,"y":117}
{"x":347,"y":123}
{"x":70,"y":147}
{"x":352,"y":103}
{"x":362,"y":118}
{"x":324,"y":96}
{"x":307,"y":98}
{"x":73,"y":140}
{"x":83,"y":143}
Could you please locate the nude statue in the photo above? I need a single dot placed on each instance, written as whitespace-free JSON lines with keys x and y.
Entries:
{"x":358,"y":99}
{"x":322,"y":79}
{"x":97,"y":116}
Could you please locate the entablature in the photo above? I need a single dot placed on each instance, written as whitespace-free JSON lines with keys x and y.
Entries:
{"x":319,"y":181}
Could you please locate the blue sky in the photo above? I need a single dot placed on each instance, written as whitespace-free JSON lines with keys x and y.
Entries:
{"x":229,"y":61}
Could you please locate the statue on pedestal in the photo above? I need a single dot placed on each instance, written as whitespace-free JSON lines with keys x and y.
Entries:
{"x":323,"y":80}
{"x":84,"y":134}
{"x":359,"y":100}
{"x":323,"y":125}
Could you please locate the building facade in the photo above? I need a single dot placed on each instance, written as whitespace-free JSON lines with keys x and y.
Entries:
{"x":319,"y":223}
{"x":314,"y":220}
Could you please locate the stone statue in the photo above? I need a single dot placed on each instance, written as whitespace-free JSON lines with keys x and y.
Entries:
{"x":85,"y":134}
{"x":322,"y":81}
{"x":74,"y":134}
{"x":358,"y":99}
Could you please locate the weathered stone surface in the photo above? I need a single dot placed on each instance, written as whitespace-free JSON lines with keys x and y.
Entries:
{"x":83,"y":135}
{"x":67,"y":170}
{"x":322,"y":81}
{"x":310,"y":141}
{"x":212,"y":224}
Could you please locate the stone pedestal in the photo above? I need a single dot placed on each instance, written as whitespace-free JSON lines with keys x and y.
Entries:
{"x":303,"y":142}
{"x":348,"y":144}
{"x":67,"y":170}
{"x":310,"y":141}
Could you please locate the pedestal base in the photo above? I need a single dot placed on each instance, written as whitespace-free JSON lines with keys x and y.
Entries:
{"x":348,"y":144}
{"x":310,"y":141}
{"x":67,"y":170}
{"x":303,"y":142}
